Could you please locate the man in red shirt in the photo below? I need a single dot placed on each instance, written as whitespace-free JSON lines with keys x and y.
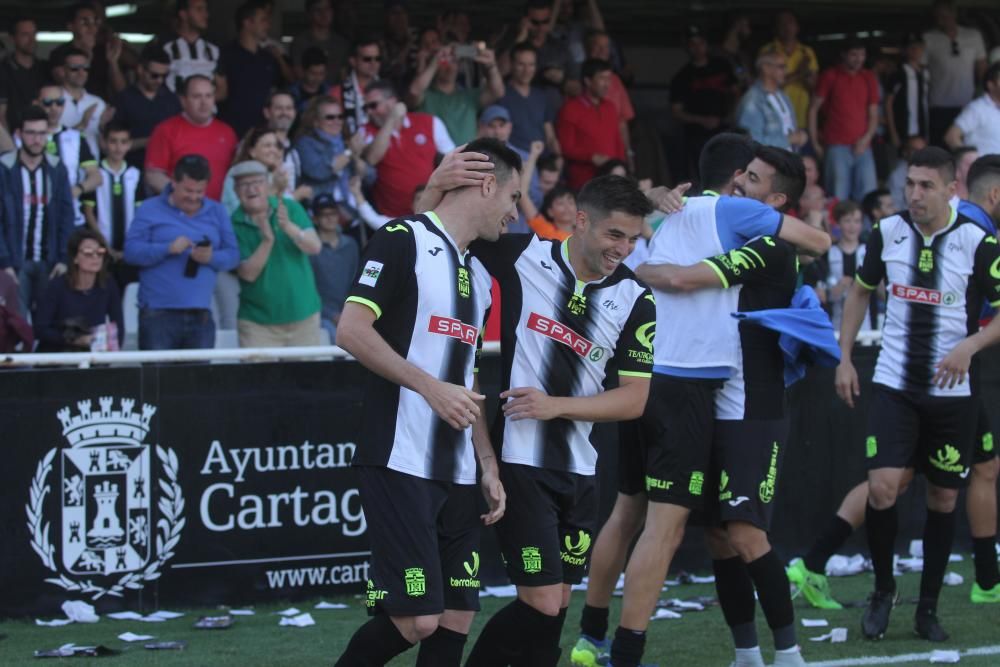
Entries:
{"x":194,"y":131}
{"x":587,"y":126}
{"x":849,"y":97}
{"x":402,"y":147}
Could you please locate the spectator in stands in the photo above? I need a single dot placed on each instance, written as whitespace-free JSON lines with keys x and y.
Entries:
{"x":262,"y":144}
{"x":105,"y":74}
{"x":194,"y":130}
{"x":326,"y":156}
{"x":180,"y":240}
{"x":701,"y":96}
{"x":571,"y":27}
{"x":588,"y":126}
{"x":280,"y":114}
{"x":848,"y":95}
{"x":16,"y":334}
{"x":557,"y":216}
{"x":812,"y":169}
{"x":189,"y":52}
{"x":434,"y":90}
{"x":964,"y":157}
{"x":801,"y":64}
{"x":532,"y":109}
{"x":844,"y":259}
{"x":813,"y":205}
{"x":733,"y":49}
{"x":597,"y":44}
{"x":21,"y":73}
{"x":279,"y":304}
{"x":495,"y":123}
{"x":548,"y":174}
{"x":69,"y":144}
{"x":979,"y":122}
{"x":365,"y":60}
{"x":956,"y":58}
{"x":146,"y":103}
{"x":319,"y":34}
{"x":336,"y":264}
{"x":402,"y":146}
{"x":896,"y":183}
{"x":535,"y":27}
{"x":40,"y":219}
{"x":907,"y":110}
{"x":312,"y":82}
{"x":401,"y":44}
{"x":876,"y":205}
{"x":372,"y":218}
{"x":252,"y":66}
{"x":110,"y":209}
{"x":765,"y":111}
{"x":83,"y":111}
{"x":81,"y":310}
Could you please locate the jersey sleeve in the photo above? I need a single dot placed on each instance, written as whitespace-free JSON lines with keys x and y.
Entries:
{"x":872,"y":270}
{"x":387,"y":264}
{"x":745,"y":219}
{"x":86,"y":156}
{"x":986,"y":269}
{"x":479,"y":339}
{"x":760,"y":260}
{"x":634,"y":352}
{"x":499,"y":256}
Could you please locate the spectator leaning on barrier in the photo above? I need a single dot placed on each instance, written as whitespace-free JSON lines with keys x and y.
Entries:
{"x":33,"y":242}
{"x":978,"y":124}
{"x":765,"y":111}
{"x":336,"y":264}
{"x":279,"y":304}
{"x":180,"y":240}
{"x":588,"y":125}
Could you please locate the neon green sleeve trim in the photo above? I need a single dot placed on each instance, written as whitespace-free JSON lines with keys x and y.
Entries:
{"x":995,"y":304}
{"x":718,"y":272}
{"x":89,"y":163}
{"x":634,"y":374}
{"x":366,"y":302}
{"x":863,"y":283}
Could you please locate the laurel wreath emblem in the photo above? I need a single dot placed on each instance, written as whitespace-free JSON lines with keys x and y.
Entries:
{"x":169,"y":527}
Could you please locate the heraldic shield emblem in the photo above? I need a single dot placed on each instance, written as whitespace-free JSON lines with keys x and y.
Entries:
{"x":107,"y":500}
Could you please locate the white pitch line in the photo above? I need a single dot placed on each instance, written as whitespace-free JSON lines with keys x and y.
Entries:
{"x":900,"y":659}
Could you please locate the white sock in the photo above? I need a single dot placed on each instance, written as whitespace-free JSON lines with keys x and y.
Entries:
{"x":789,"y":657}
{"x":748,"y":657}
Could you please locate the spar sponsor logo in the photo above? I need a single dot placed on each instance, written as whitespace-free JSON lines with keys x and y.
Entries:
{"x":560,"y":332}
{"x":930,"y":297}
{"x":447,"y":326}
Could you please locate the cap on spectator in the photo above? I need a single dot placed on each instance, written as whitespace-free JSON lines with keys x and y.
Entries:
{"x":248,"y":168}
{"x":324,"y":202}
{"x":911,"y":38}
{"x":492,"y":112}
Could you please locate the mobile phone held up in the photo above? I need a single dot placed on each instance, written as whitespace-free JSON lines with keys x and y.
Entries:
{"x":191,"y":267}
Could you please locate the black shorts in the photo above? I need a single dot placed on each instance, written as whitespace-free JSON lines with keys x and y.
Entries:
{"x":425,"y":543}
{"x":677,"y":432}
{"x":743,"y":474}
{"x":932,"y":434}
{"x":631,"y":466}
{"x":983,"y":449}
{"x":546,"y":533}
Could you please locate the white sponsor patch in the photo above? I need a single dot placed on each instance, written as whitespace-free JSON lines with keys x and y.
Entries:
{"x":370,"y":274}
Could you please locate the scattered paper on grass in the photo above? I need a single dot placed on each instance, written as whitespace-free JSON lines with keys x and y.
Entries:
{"x":300,"y":621}
{"x":54,"y":623}
{"x":835,"y":636}
{"x":79,"y":611}
{"x":664,"y":613}
{"x":917,"y":548}
{"x":163,"y":615}
{"x":953,"y":579}
{"x":499,"y":591}
{"x":683,"y":605}
{"x":291,"y":611}
{"x":330,"y":605}
{"x":956,"y":558}
{"x":815,"y":623}
{"x":132,"y":637}
{"x":242,"y":612}
{"x":945,"y":656}
{"x":695,"y":579}
{"x":126,"y":616}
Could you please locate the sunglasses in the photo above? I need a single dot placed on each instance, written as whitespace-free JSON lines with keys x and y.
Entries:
{"x":370,"y":105}
{"x":539,"y":22}
{"x":78,"y":68}
{"x":157,"y":76}
{"x":335,"y":116}
{"x":91,"y":254}
{"x":54,"y":101}
{"x":371,"y":59}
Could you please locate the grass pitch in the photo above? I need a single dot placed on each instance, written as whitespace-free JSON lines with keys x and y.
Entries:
{"x":698,"y":639}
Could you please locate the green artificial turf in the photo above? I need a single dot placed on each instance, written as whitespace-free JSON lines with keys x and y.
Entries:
{"x":698,"y":639}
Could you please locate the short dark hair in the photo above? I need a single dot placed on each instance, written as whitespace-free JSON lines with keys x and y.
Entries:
{"x":312,"y":3}
{"x":602,"y":196}
{"x":844,"y":207}
{"x":192,"y":166}
{"x":992,"y":74}
{"x":723,"y":155}
{"x":790,"y":172}
{"x":852,"y":43}
{"x":591,"y":35}
{"x":609,"y":166}
{"x":115,"y":126}
{"x":312,"y":56}
{"x":365,"y":39}
{"x":80,"y":7}
{"x":153,"y":53}
{"x":935,"y":158}
{"x":18,"y":19}
{"x":247,"y":10}
{"x":870,"y":201}
{"x":31,"y":113}
{"x":983,"y":173}
{"x":386,"y":86}
{"x":73,"y":51}
{"x":182,"y":88}
{"x":76,"y":239}
{"x":182,"y":6}
{"x":547,"y":163}
{"x":277,"y":93}
{"x":959,"y":152}
{"x":505,"y":161}
{"x":555,"y":193}
{"x":523,"y":47}
{"x":592,"y":67}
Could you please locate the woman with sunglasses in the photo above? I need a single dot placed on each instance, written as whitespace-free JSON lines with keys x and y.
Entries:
{"x":81,"y":310}
{"x":262,"y":144}
{"x":327,"y":156}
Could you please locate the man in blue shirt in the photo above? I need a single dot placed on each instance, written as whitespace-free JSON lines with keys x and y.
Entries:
{"x":180,"y":240}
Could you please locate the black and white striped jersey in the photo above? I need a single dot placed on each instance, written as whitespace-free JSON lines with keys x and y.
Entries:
{"x":935,"y":291}
{"x":430,"y":301}
{"x":558,"y":334}
{"x":187,"y":59}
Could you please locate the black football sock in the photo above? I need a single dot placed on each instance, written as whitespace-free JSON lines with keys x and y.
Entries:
{"x":508,"y":635}
{"x":442,"y":649}
{"x":881,"y":526}
{"x":545,"y":652}
{"x":771,"y":582}
{"x":939,"y":533}
{"x":375,"y":643}
{"x":627,"y":647}
{"x":594,"y":622}
{"x":831,"y":539}
{"x":735,"y":590}
{"x":984,"y":553}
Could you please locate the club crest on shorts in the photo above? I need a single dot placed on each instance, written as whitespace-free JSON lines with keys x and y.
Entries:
{"x":116,"y":526}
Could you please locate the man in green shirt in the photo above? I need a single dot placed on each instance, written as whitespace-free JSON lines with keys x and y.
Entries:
{"x":279,"y":304}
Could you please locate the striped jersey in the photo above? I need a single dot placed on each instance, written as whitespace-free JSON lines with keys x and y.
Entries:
{"x":35,"y":207}
{"x":188,"y":59}
{"x":430,"y":301}
{"x":935,"y":290}
{"x":558,"y":335}
{"x":114,"y":202}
